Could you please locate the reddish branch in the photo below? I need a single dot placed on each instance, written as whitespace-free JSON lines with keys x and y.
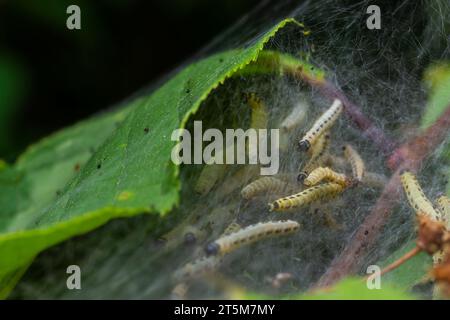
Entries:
{"x":408,"y":156}
{"x":402,"y":260}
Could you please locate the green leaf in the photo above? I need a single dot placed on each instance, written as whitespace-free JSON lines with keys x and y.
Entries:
{"x":356,"y":289}
{"x":45,"y":198}
{"x":411,"y":272}
{"x":437,"y":78}
{"x":347,"y":289}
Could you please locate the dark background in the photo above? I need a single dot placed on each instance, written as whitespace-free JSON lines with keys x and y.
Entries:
{"x":51,"y":77}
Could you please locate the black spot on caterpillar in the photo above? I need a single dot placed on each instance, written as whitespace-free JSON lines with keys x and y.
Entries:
{"x":325,"y":173}
{"x":318,"y":156}
{"x":326,"y":190}
{"x":249,"y":235}
{"x":416,"y":197}
{"x":189,"y":238}
{"x":324,"y":123}
{"x":355,"y":161}
{"x":261,"y":185}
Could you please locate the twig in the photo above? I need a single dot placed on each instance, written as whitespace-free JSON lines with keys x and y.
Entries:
{"x":410,"y":254}
{"x":413,"y":153}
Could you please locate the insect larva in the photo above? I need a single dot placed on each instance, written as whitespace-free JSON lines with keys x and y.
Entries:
{"x":231,"y":228}
{"x":321,"y":125}
{"x":325,"y":190}
{"x":249,"y":235}
{"x":238,"y":179}
{"x":209,"y":175}
{"x":180,"y":291}
{"x":259,"y":117}
{"x":197,"y":268}
{"x":261,"y":185}
{"x":296,"y":117}
{"x":213,"y":222}
{"x":325,"y":173}
{"x":443,"y":203}
{"x":356,"y":162}
{"x":416,"y":197}
{"x":191,"y":234}
{"x":318,"y":156}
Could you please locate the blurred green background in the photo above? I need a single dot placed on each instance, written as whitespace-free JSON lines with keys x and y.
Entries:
{"x":51,"y":77}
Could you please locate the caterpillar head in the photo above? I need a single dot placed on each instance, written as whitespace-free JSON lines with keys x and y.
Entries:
{"x":304,"y":145}
{"x":212,"y":249}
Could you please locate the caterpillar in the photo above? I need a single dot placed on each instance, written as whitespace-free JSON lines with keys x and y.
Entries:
{"x":296,"y":117}
{"x":249,"y":235}
{"x":261,"y":185}
{"x":231,"y":228}
{"x":180,"y":291}
{"x":209,"y":175}
{"x":325,"y":173}
{"x":318,"y":156}
{"x":356,"y":162}
{"x":325,"y":190}
{"x":443,"y":203}
{"x":321,"y":125}
{"x":259,"y":117}
{"x":416,"y":197}
{"x":238,"y":179}
{"x":197,"y":268}
{"x":213,"y":222}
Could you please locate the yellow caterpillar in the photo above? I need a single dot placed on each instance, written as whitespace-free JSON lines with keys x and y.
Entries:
{"x":416,"y":197}
{"x":197,"y":268}
{"x":356,"y":162}
{"x":325,"y":173}
{"x":321,"y":125}
{"x":261,"y":185}
{"x":231,"y":228}
{"x":318,"y":156}
{"x":209,"y":175}
{"x":296,"y":117}
{"x":326,"y":190}
{"x":443,"y":203}
{"x":259,"y":117}
{"x":238,"y":179}
{"x":249,"y":235}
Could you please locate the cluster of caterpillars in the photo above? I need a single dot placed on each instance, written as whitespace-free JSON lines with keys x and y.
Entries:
{"x":434,"y":230}
{"x":318,"y":176}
